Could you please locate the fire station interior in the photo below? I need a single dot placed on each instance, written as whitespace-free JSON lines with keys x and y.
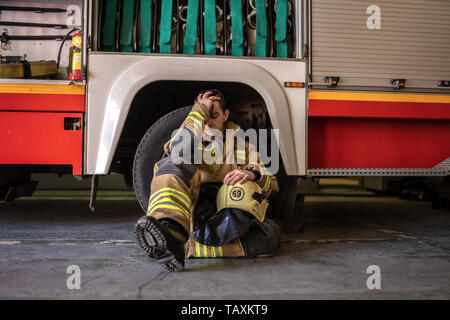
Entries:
{"x":345,"y":237}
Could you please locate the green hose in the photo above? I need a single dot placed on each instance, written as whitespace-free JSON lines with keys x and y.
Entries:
{"x":146,"y":26}
{"x":165,"y":34}
{"x":191,"y":27}
{"x":237,"y":39}
{"x":281,"y":38}
{"x":126,"y":32}
{"x":109,"y":26}
{"x":210,"y":27}
{"x":261,"y":28}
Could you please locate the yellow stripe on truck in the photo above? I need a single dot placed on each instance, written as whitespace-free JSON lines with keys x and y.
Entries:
{"x":42,"y":88}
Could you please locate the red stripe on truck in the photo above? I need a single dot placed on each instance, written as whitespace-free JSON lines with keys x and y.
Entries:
{"x":378,"y":109}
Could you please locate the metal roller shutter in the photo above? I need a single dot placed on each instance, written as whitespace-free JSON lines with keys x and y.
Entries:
{"x":413,"y":43}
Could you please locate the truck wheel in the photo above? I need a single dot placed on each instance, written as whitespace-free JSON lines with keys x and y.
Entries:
{"x":151,"y":149}
{"x":287,"y":204}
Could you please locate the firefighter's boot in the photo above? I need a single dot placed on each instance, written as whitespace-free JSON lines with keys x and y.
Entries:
{"x":262,"y":240}
{"x":162,"y":240}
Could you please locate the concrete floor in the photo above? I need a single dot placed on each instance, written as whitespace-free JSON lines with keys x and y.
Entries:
{"x":410,"y":242}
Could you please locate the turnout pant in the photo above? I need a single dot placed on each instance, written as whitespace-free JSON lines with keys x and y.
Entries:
{"x":177,"y":193}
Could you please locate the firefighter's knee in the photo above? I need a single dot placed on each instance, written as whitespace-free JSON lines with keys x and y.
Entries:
{"x":174,"y":191}
{"x":184,"y":171}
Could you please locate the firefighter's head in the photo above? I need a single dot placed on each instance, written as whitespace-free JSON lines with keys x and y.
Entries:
{"x":219,"y":112}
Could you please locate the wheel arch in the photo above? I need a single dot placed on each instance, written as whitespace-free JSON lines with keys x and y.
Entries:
{"x":137,"y":76}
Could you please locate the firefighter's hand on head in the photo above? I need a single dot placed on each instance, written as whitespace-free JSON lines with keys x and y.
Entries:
{"x":238,"y":176}
{"x":207,"y":100}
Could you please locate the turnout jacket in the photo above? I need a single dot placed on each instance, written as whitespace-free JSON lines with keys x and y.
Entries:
{"x":240,"y":155}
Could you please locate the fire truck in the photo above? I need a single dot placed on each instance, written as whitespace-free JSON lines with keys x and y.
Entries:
{"x":355,"y":88}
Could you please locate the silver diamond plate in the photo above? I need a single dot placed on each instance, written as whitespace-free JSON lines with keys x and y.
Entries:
{"x":442,"y":169}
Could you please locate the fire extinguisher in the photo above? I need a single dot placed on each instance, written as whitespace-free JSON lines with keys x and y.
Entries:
{"x":75,"y":57}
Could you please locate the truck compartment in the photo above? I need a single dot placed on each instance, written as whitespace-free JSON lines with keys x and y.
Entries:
{"x":36,"y":37}
{"x":223,"y":27}
{"x":42,"y":124}
{"x":49,"y":138}
{"x":377,"y":130}
{"x":389,"y":44}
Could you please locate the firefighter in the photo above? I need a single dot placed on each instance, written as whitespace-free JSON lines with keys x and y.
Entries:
{"x":230,"y":197}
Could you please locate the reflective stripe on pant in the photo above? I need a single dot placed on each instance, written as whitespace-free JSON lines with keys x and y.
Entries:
{"x":195,"y":249}
{"x":206,"y":251}
{"x":173,"y":192}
